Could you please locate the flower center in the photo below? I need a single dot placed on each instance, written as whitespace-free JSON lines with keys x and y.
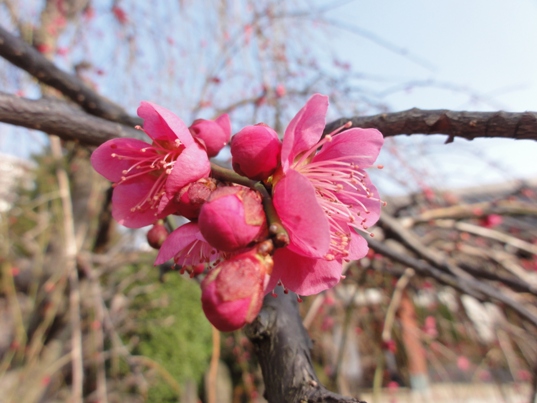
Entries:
{"x":157,"y":161}
{"x":196,"y":253}
{"x":342,"y":192}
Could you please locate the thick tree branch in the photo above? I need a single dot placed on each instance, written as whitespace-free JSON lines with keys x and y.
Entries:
{"x":56,"y":117}
{"x":282,"y":347}
{"x":22,"y":55}
{"x":468,"y":125}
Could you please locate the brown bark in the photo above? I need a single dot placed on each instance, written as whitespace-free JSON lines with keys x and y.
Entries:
{"x":465,"y":124}
{"x":282,"y":346}
{"x":57,"y":117}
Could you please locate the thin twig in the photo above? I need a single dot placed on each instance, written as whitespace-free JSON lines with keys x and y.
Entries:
{"x":70,"y":252}
{"x":213,"y":367}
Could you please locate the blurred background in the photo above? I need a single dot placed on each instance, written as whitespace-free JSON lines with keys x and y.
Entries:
{"x":385,"y":333}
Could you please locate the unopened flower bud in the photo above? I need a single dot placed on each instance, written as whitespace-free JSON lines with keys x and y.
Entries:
{"x":232,"y":218}
{"x":255,"y":151}
{"x":192,"y":196}
{"x":215,"y":134}
{"x":232,"y":293}
{"x":157,"y":235}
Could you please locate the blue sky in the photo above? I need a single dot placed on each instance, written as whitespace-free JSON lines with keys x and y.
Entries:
{"x":460,"y":55}
{"x":463,"y":55}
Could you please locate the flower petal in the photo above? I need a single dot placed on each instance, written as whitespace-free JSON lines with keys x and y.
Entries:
{"x":225,"y":123}
{"x":358,"y":246}
{"x":178,"y":240}
{"x":302,"y":275}
{"x":162,"y":124}
{"x":305,"y":129}
{"x":366,"y":204}
{"x":127,"y":196}
{"x":372,"y":204}
{"x":191,"y":165}
{"x":360,"y":146}
{"x":301,"y":215}
{"x":112,"y":167}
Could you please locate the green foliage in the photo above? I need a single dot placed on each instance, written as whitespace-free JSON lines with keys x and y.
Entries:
{"x":173,"y":332}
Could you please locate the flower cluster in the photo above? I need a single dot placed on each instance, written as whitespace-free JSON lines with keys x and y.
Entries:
{"x":312,"y":187}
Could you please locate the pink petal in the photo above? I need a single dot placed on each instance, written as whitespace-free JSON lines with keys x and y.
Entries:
{"x":301,"y":215}
{"x":369,"y":208}
{"x":225,"y":316}
{"x":305,"y":129}
{"x":372,"y":204}
{"x":358,"y":247}
{"x":128,"y":195}
{"x":305,"y":276}
{"x":360,"y":146}
{"x":178,"y":240}
{"x":112,"y":167}
{"x":225,"y":123}
{"x":162,"y":124}
{"x":191,"y":165}
{"x":167,"y":206}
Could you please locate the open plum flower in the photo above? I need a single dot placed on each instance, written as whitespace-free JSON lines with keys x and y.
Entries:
{"x":148,"y":176}
{"x":188,"y":248}
{"x":322,"y":195}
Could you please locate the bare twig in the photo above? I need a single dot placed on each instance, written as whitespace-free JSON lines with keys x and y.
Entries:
{"x":213,"y":367}
{"x":22,"y":55}
{"x":470,"y":286}
{"x":394,"y":303}
{"x":70,"y":252}
{"x":489,"y":233}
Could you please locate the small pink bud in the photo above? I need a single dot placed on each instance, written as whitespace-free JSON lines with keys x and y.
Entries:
{"x":192,"y":196}
{"x":389,"y":345}
{"x":232,"y":293}
{"x":214,"y":134}
{"x":491,"y":221}
{"x":157,"y":235}
{"x":232,"y":217}
{"x":256,"y":151}
{"x":463,"y":363}
{"x":430,"y":326}
{"x":280,"y":90}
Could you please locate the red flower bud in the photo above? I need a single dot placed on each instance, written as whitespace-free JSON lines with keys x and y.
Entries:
{"x":232,"y":218}
{"x":214,"y":134}
{"x":232,"y":293}
{"x":157,"y":235}
{"x":192,"y":197}
{"x":255,"y":151}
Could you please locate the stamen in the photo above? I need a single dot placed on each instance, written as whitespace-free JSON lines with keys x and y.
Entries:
{"x":340,"y":129}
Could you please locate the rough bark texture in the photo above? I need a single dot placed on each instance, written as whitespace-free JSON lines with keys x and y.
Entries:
{"x":468,"y":125}
{"x":283,"y":346}
{"x":24,"y":56}
{"x":60,"y":118}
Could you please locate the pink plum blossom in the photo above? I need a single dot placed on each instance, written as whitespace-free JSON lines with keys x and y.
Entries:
{"x":215,"y":134}
{"x":188,"y":248}
{"x":232,"y":217}
{"x":255,"y":151}
{"x":148,"y":176}
{"x":323,"y":195}
{"x":232,"y":293}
